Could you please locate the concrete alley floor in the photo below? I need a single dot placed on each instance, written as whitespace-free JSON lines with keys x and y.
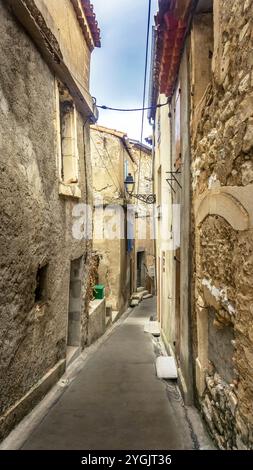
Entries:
{"x":116,"y":401}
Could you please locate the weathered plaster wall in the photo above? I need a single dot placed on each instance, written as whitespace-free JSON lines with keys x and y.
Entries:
{"x":108,"y":156}
{"x":36,"y":224}
{"x":163,"y":224}
{"x":107,"y":166}
{"x":64,"y":25}
{"x":144,"y":224}
{"x":222,"y":154}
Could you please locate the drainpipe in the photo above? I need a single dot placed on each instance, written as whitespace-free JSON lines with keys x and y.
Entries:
{"x":154,"y":208}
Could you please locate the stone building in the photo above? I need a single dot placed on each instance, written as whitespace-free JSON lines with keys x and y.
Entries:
{"x":202,"y":72}
{"x":46,"y":110}
{"x":144,"y":230}
{"x":112,"y":160}
{"x":122,"y":226}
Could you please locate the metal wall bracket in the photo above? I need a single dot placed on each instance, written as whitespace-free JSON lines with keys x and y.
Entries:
{"x":147,"y":198}
{"x":172,"y":179}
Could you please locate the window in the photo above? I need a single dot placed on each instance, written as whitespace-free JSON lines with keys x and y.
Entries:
{"x":67,"y":137}
{"x":41,"y":285}
{"x":69,"y":167}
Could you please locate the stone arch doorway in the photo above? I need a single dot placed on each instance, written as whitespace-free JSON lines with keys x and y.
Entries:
{"x":209,"y":297}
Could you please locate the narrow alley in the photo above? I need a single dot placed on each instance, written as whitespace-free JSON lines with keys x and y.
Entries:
{"x":116,"y":401}
{"x":126,"y":234}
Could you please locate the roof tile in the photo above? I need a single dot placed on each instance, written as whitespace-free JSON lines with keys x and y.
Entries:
{"x":93,"y":24}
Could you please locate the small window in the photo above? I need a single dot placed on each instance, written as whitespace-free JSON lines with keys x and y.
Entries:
{"x":41,"y":285}
{"x":68,"y":151}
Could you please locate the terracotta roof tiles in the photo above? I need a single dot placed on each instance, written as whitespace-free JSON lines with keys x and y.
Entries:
{"x":93,"y":24}
{"x":171,"y":23}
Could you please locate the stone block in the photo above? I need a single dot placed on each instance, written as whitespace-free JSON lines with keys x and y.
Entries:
{"x":152,"y":327}
{"x":134,"y":302}
{"x":137,"y":296}
{"x":97,"y":320}
{"x":147,"y":296}
{"x":166,"y":367}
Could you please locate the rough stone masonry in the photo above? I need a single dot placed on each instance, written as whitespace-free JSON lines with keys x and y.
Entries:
{"x":36,"y":224}
{"x":223,"y":161}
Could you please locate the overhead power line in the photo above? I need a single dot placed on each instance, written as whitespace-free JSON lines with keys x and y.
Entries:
{"x":112,"y":165}
{"x":127,"y":110}
{"x":144,"y":86}
{"x":104,"y":165}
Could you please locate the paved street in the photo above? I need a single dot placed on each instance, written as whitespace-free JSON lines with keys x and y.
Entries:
{"x":116,"y":401}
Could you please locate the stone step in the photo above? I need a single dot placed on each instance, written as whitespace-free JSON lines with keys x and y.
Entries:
{"x":134,"y":302}
{"x":166,"y":367}
{"x":140,"y":289}
{"x":137,"y":296}
{"x":147,"y":296}
{"x":152,"y":327}
{"x":145,"y":292}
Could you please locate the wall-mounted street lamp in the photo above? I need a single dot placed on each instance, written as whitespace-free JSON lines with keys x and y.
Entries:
{"x":129,"y":187}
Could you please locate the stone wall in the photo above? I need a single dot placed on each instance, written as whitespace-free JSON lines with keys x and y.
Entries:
{"x":36,"y":223}
{"x":107,"y":165}
{"x":109,"y":157}
{"x":222,"y":157}
{"x":144,"y":229}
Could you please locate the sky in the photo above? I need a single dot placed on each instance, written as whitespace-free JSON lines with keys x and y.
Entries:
{"x":117,"y":69}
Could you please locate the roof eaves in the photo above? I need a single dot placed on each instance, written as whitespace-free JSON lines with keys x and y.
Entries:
{"x":107,"y":130}
{"x":92,"y":21}
{"x":153,"y":88}
{"x":128,"y":148}
{"x":172,"y":22}
{"x":88,"y":23}
{"x":139,"y":145}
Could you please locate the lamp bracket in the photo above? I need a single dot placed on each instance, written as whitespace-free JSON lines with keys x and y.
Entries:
{"x":172,"y":178}
{"x":146,"y":198}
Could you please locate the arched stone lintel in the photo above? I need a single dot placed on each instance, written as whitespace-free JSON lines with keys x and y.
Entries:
{"x":224,"y":205}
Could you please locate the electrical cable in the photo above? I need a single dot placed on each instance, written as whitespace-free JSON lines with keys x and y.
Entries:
{"x":144,"y":87}
{"x":128,"y":110}
{"x":109,"y":156}
{"x":104,"y":164}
